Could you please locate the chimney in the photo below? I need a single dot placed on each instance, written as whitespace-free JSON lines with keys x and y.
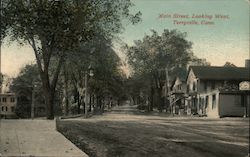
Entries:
{"x":247,"y":63}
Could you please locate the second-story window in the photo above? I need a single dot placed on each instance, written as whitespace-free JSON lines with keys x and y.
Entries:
{"x":194,"y":86}
{"x":4,"y":99}
{"x":179,"y":86}
{"x":12,"y":99}
{"x":188,"y":88}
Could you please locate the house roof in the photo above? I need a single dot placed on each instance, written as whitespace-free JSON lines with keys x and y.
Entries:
{"x":172,"y":82}
{"x":221,"y":73}
{"x":7,"y":94}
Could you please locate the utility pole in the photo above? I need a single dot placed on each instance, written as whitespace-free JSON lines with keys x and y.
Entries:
{"x":33,"y":102}
{"x":0,"y":49}
{"x":167,"y":89}
{"x":88,"y":72}
{"x":86,"y":94}
{"x":245,"y":101}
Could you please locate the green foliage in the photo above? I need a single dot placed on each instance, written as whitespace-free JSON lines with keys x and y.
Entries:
{"x":63,"y":24}
{"x":97,"y":53}
{"x":23,"y":85}
{"x":150,"y":57}
{"x":195,"y":61}
{"x":1,"y":79}
{"x":155,"y":52}
{"x":228,"y":64}
{"x":27,"y":79}
{"x":23,"y":108}
{"x":53,"y":28}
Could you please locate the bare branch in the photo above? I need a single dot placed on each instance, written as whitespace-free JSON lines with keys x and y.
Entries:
{"x":33,"y":45}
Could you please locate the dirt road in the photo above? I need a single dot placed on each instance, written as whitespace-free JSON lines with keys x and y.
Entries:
{"x":123,"y":135}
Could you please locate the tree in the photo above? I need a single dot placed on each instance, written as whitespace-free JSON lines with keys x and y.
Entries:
{"x":27,"y":77}
{"x":153,"y":54}
{"x":138,"y":88}
{"x":24,"y":85}
{"x":27,"y":83}
{"x":104,"y":62}
{"x":195,"y":61}
{"x":1,"y":81}
{"x":228,"y":64}
{"x":53,"y":28}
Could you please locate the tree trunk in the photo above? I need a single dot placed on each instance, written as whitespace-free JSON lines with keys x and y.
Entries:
{"x":158,"y":87}
{"x":98,"y":108}
{"x":148,"y":103}
{"x":160,"y":99}
{"x":151,"y":104}
{"x":78,"y":100}
{"x":49,"y":86}
{"x":90,"y":102}
{"x":81,"y":93}
{"x":66,"y":91}
{"x":49,"y":101}
{"x":102,"y":104}
{"x":49,"y":96}
{"x":79,"y":107}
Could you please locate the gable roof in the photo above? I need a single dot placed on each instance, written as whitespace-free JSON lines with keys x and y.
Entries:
{"x":221,"y":73}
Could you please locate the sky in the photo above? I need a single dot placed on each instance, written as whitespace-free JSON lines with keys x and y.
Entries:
{"x":216,"y":39}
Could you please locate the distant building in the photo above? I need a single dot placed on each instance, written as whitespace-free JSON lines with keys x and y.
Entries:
{"x":247,"y":63}
{"x":214,"y":91}
{"x":177,"y":95}
{"x":7,"y":105}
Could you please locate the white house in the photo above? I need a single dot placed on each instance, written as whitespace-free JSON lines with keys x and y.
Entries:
{"x":7,"y":104}
{"x":214,"y":91}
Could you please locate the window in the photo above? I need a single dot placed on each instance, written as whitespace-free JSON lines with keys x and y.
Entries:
{"x":4,"y":99}
{"x":12,"y":109}
{"x":214,"y":101}
{"x":6,"y":108}
{"x":207,"y":101}
{"x":180,"y":87}
{"x":200,"y":103}
{"x":188,"y":88}
{"x":12,"y":99}
{"x":194,"y":86}
{"x":2,"y":108}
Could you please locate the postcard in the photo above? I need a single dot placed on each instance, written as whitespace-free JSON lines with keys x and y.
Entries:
{"x":124,"y":78}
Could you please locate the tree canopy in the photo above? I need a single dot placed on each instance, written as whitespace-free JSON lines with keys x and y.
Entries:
{"x":156,"y":59}
{"x":98,"y":56}
{"x":53,"y":28}
{"x":229,"y":64}
{"x":170,"y":49}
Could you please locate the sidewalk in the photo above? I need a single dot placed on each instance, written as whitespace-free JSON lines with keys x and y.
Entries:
{"x":34,"y":138}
